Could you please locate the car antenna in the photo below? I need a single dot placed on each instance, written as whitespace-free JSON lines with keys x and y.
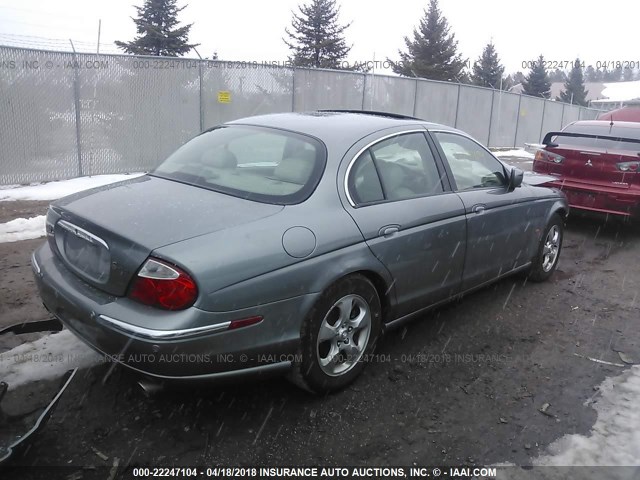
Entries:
{"x":611,"y":124}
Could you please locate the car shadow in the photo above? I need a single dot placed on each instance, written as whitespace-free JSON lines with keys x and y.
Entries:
{"x":596,"y":225}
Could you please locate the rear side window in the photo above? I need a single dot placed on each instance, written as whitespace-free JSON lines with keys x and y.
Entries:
{"x":406,"y":167}
{"x":365,"y":184}
{"x":398,"y":168}
{"x":256,"y":163}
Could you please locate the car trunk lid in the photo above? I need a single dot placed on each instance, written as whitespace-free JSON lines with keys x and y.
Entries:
{"x":594,"y":159}
{"x":595,"y":166}
{"x":105,"y":234}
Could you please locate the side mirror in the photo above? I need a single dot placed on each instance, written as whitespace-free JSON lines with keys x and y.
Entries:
{"x":515,"y":178}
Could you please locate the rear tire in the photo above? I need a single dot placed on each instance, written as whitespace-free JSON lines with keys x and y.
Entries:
{"x":546,"y":260}
{"x":337,"y":336}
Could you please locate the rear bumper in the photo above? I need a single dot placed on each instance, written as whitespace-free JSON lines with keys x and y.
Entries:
{"x":611,"y":200}
{"x":190,"y":344}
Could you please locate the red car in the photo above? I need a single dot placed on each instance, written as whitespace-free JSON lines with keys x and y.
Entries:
{"x":629,"y":113}
{"x":597,"y":165}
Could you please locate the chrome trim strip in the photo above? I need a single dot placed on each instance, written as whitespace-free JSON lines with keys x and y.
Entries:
{"x":460,"y":133}
{"x":369,"y":145}
{"x":34,"y":263}
{"x":162,"y":334}
{"x":82,"y":233}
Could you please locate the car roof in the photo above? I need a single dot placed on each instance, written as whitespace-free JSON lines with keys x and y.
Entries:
{"x":328,"y":123}
{"x":630,"y":113}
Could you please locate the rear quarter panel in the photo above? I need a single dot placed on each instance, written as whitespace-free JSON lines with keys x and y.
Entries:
{"x":248,"y":265}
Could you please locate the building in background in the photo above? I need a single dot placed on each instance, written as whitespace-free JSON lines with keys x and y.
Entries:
{"x":617,"y":95}
{"x":594,"y":90}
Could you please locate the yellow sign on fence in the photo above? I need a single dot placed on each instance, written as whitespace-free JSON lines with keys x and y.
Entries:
{"x":224,"y":96}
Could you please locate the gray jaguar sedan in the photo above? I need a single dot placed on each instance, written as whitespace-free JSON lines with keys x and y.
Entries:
{"x":288,"y":243}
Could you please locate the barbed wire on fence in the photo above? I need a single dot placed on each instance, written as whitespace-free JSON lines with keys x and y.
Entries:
{"x":83,"y":113}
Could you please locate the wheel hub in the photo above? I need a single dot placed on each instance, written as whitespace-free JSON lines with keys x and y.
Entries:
{"x":551,"y":248}
{"x":344,"y":335}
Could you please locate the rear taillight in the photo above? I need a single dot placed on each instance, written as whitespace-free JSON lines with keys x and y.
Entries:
{"x":628,"y":166}
{"x":544,"y":156}
{"x":163,"y":285}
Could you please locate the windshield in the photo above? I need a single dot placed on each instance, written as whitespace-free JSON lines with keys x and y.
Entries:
{"x":256,"y":163}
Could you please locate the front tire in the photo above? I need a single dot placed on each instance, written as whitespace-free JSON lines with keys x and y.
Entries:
{"x":548,"y":254}
{"x":338,"y":334}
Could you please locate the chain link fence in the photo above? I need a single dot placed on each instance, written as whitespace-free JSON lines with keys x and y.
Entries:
{"x":65,"y":115}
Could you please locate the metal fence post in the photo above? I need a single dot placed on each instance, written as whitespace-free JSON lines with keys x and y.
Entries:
{"x":76,"y":101}
{"x":515,"y":135}
{"x":493,"y":96}
{"x":562,"y":117}
{"x":293,"y":89}
{"x":455,"y":122}
{"x":364,"y":91}
{"x":415,"y":98}
{"x":201,"y":95}
{"x":544,"y":108}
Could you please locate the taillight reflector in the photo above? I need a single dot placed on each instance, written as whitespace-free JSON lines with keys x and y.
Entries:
{"x":244,"y":322}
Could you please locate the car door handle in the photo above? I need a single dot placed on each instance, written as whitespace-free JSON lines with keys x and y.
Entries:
{"x":389,"y":230}
{"x":478,"y":209}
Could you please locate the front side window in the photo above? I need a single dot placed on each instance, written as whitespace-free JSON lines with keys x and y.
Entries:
{"x":472,"y":166}
{"x":398,"y":168}
{"x":256,"y":163}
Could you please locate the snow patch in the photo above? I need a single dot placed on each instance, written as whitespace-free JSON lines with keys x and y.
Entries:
{"x":615,"y":437}
{"x":517,"y":152}
{"x":23,"y":229}
{"x":55,"y":190}
{"x":47,"y":358}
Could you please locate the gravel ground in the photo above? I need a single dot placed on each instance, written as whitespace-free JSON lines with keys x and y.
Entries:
{"x":463,"y":384}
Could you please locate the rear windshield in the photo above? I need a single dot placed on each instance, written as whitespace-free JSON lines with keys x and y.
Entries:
{"x":599,"y":130}
{"x":261,"y":164}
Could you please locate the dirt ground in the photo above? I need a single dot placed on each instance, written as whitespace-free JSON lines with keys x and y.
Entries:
{"x":461,"y":385}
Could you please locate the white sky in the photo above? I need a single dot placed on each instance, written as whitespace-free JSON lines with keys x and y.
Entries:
{"x":253,"y":29}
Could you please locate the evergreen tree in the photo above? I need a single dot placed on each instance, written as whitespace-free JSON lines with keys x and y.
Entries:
{"x":519,"y":77}
{"x":557,"y":76}
{"x":316,"y":38}
{"x":619,"y":73}
{"x":612,"y":75}
{"x":465,"y":77}
{"x":574,"y":91}
{"x":508,"y":82}
{"x":487,"y":70}
{"x":537,"y":83}
{"x":590,"y":74}
{"x":433,"y":51}
{"x":158,"y":33}
{"x":628,"y":74}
